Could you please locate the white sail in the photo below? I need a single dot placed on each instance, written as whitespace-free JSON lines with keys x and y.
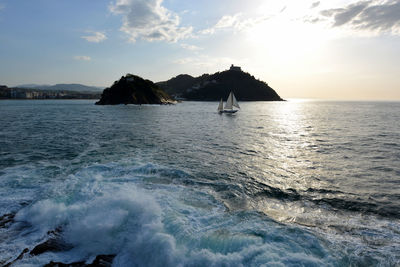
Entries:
{"x":229,"y":102}
{"x":220,"y":106}
{"x":234,"y":102}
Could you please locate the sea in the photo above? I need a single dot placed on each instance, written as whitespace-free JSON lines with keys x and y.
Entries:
{"x":294,"y":183}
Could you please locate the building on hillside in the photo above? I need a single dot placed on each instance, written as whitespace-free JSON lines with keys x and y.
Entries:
{"x":235,"y":68}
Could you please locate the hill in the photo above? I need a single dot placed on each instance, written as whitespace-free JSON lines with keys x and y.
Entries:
{"x":213,"y":87}
{"x":63,"y":87}
{"x":132,"y":89}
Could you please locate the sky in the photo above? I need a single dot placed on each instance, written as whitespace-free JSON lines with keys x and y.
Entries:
{"x":328,"y":49}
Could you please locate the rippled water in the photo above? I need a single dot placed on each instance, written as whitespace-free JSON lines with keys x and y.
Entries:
{"x":291,"y":183}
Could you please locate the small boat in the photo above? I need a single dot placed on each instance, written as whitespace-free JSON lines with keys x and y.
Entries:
{"x":230,"y":103}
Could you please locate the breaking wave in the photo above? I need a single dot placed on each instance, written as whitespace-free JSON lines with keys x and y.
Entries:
{"x":107,"y":210}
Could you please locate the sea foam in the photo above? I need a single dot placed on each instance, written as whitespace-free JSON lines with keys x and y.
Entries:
{"x":166,"y":226}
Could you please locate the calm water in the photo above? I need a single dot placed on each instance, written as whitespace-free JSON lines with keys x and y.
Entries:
{"x":294,"y":183}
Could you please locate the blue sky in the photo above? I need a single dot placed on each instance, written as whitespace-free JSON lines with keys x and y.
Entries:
{"x":332,"y":49}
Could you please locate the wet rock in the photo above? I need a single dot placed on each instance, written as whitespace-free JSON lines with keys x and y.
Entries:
{"x":103,"y":261}
{"x":99,"y":261}
{"x":53,"y":244}
{"x":6,"y":220}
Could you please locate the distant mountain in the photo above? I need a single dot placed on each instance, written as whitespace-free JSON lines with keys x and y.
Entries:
{"x":32,"y":85}
{"x":132,"y":89}
{"x":218,"y":85}
{"x":63,"y":87}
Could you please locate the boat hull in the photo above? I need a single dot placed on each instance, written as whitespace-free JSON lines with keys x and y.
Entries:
{"x":227,"y":111}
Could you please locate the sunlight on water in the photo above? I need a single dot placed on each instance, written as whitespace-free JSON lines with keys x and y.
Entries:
{"x":183,"y":185}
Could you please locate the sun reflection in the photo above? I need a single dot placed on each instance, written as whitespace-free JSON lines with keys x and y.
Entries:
{"x":290,"y":166}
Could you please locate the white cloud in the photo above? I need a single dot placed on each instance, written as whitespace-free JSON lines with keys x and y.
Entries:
{"x":208,"y":31}
{"x":228,"y":21}
{"x":235,"y":22}
{"x":149,"y":20}
{"x":315,"y":4}
{"x":191,"y":47}
{"x":83,"y":58}
{"x":362,"y":17}
{"x":371,"y":17}
{"x":95,"y":37}
{"x":2,"y":6}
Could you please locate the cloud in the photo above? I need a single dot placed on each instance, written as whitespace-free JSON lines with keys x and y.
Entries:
{"x":225,"y":22}
{"x":235,"y":22}
{"x":371,"y":16}
{"x":2,"y":6}
{"x":205,"y":61}
{"x":95,"y":37}
{"x":315,"y":4}
{"x":83,"y":58}
{"x":149,"y":20}
{"x":228,"y":21}
{"x":345,"y":15}
{"x":191,"y":47}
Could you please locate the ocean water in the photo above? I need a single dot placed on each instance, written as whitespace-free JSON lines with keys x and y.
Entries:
{"x":296,"y":183}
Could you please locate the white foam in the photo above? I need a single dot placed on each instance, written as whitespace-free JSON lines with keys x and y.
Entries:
{"x":165,"y":225}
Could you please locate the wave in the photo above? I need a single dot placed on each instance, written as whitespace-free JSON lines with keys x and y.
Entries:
{"x":334,"y":198}
{"x":110,"y":209}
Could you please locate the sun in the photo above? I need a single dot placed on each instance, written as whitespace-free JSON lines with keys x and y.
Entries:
{"x":287,"y":43}
{"x":285,"y":33}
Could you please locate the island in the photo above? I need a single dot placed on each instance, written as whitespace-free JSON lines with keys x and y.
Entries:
{"x":132,"y":89}
{"x":213,"y":87}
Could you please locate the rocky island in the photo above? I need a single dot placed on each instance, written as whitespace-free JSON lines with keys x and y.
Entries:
{"x":132,"y":89}
{"x":211,"y":87}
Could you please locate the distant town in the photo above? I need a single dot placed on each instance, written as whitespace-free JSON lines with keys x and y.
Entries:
{"x":30,"y":93}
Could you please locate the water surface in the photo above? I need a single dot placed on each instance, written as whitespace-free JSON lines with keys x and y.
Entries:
{"x":308,"y":183}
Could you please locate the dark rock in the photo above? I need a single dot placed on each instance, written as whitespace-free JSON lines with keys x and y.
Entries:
{"x":218,"y":85}
{"x":132,"y":89}
{"x":6,"y":220}
{"x":99,"y":261}
{"x":103,"y":261}
{"x":54,"y":243}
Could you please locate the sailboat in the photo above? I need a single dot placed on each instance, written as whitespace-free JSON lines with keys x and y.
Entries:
{"x":230,"y":103}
